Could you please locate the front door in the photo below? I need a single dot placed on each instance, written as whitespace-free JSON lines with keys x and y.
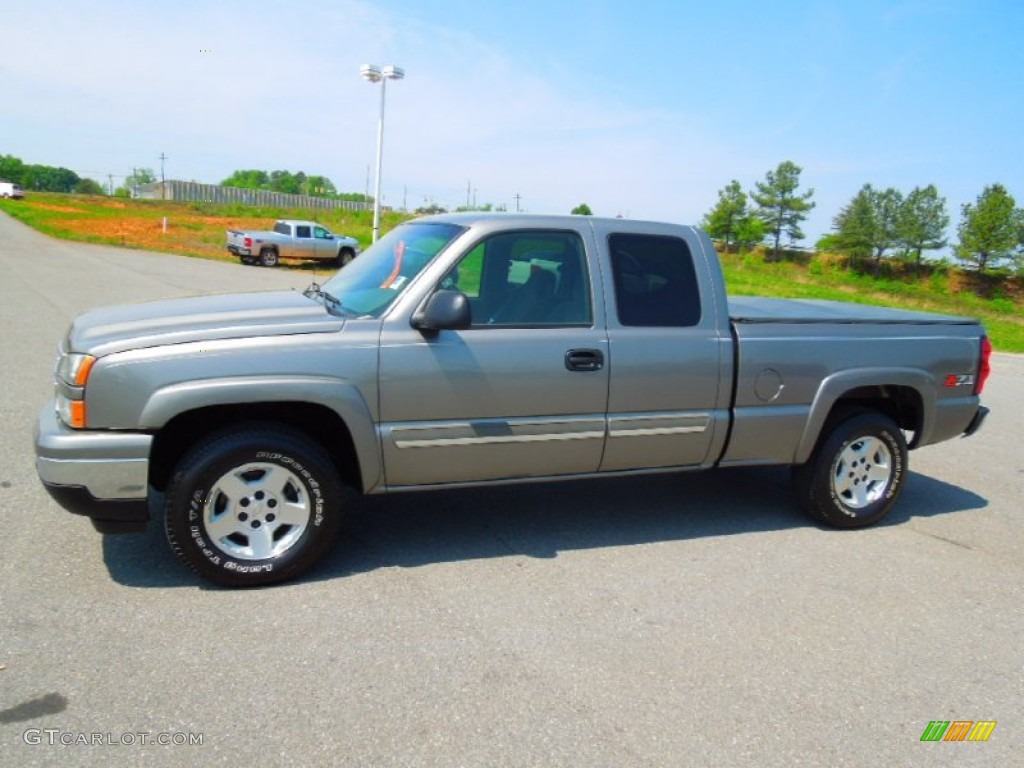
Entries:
{"x":520,"y":394}
{"x":326,"y":247}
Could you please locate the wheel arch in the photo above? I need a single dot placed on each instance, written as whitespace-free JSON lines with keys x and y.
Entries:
{"x":904,"y":395}
{"x":328,"y":411}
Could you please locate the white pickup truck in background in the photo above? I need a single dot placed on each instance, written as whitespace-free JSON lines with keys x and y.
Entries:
{"x":290,"y":239}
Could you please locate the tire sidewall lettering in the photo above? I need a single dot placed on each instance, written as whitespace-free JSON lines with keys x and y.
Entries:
{"x":235,"y":450}
{"x":200,"y":496}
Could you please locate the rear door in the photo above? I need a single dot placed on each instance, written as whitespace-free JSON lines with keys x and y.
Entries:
{"x":523,"y":392}
{"x":668,"y":399}
{"x":303,"y":244}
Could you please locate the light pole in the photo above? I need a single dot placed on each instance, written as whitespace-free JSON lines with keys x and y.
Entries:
{"x":375,"y":74}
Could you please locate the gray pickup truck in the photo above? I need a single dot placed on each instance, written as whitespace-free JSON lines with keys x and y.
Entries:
{"x":290,"y":239}
{"x":484,"y":349}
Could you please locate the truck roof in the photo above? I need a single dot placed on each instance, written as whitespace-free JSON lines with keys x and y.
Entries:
{"x":467,"y":218}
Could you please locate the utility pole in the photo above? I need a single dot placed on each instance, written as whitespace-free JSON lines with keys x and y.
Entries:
{"x":163,"y":181}
{"x":517,"y":197}
{"x":468,"y":184}
{"x":110,"y":184}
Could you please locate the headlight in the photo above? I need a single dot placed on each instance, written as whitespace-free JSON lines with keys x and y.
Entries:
{"x":74,"y":368}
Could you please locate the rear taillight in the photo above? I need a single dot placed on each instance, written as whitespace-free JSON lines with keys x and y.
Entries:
{"x":248,"y":242}
{"x":984,"y":366}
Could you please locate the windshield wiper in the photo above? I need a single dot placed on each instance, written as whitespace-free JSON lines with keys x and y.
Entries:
{"x":330,"y":302}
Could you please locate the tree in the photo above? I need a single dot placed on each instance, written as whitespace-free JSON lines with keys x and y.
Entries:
{"x":288,"y":182}
{"x":869,"y":225}
{"x":320,"y":186}
{"x":47,"y":178}
{"x":989,"y":229}
{"x":923,"y":221}
{"x":12,"y":169}
{"x":750,"y":231}
{"x":888,"y":204}
{"x":722,"y":221}
{"x":856,"y":224}
{"x":88,"y":187}
{"x":140,"y":176}
{"x":249,"y":179}
{"x":778,"y":204}
{"x":1018,"y":258}
{"x":134,"y":180}
{"x":426,"y":210}
{"x":582,"y":210}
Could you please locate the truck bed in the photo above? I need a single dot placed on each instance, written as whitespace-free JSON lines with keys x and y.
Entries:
{"x":757,"y":309}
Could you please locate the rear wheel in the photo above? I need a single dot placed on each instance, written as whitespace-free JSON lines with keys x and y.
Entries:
{"x":253,"y":506}
{"x":856,"y":473}
{"x":268,"y":257}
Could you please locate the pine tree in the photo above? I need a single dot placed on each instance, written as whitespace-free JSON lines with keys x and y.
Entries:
{"x":923,"y":221}
{"x":869,"y":224}
{"x":724,"y":220}
{"x":778,"y":204}
{"x":988,"y":228}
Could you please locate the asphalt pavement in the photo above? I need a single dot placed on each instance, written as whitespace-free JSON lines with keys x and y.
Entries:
{"x":669,"y":621}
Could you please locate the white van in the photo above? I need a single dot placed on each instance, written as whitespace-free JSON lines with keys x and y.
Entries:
{"x":10,"y":189}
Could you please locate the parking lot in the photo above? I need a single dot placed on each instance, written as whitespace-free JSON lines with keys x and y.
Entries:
{"x":675,"y":620}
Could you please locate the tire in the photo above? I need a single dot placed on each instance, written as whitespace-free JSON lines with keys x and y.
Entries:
{"x":253,"y":506}
{"x":345,"y":256}
{"x":856,"y":473}
{"x":268,"y":257}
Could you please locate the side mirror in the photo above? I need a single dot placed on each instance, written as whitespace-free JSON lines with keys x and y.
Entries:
{"x":443,"y":311}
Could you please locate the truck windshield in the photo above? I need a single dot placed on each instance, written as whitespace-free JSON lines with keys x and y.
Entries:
{"x":371,"y":283}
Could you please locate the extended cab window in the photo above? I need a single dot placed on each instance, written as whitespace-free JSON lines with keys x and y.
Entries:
{"x":302,"y":231}
{"x":655,"y":282}
{"x":528,"y":278}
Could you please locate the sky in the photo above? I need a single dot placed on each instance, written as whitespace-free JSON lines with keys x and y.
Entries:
{"x":644,"y":109}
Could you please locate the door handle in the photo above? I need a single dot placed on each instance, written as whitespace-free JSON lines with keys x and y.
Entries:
{"x":584,"y":360}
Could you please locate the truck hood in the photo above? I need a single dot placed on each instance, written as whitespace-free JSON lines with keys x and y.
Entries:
{"x":201,"y":318}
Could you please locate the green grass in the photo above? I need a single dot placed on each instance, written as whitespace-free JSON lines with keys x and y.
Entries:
{"x":197,"y":229}
{"x":749,"y":274}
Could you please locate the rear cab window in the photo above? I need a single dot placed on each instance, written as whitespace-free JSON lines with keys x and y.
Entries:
{"x":655,"y":281}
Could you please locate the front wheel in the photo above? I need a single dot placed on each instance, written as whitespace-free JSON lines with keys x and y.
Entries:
{"x":253,"y":506}
{"x":345,"y":256}
{"x":856,"y":473}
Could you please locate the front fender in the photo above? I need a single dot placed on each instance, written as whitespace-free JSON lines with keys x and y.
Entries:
{"x":338,"y":395}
